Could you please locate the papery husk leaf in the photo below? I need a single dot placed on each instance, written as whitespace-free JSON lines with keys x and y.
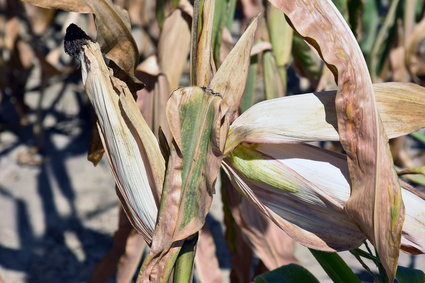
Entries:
{"x":135,"y":161}
{"x":413,"y":239}
{"x":230,"y":78}
{"x":300,"y":205}
{"x":375,"y":203}
{"x":312,"y":116}
{"x":321,"y":180}
{"x":173,"y":47}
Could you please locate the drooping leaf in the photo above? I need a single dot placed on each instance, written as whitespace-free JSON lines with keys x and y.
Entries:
{"x":320,"y":187}
{"x":283,"y":182}
{"x":312,"y":117}
{"x":291,"y":273}
{"x":375,"y":203}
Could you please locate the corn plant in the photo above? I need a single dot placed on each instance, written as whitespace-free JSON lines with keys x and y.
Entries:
{"x":166,"y":168}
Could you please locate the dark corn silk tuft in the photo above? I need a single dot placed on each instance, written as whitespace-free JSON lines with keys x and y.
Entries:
{"x":75,"y":39}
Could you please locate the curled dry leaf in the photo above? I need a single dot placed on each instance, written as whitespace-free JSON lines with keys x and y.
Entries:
{"x":299,"y":205}
{"x":113,"y":33}
{"x":375,"y":203}
{"x":137,"y":165}
{"x":173,"y":46}
{"x":79,"y":6}
{"x":312,"y":116}
{"x":309,"y":200}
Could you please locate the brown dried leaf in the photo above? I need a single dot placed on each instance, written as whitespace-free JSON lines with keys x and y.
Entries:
{"x":205,"y":68}
{"x":173,"y":47}
{"x":79,"y":6}
{"x":230,"y":78}
{"x":375,"y":203}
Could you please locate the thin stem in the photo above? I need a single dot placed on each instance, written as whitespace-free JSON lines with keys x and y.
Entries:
{"x":185,"y":259}
{"x":360,"y":260}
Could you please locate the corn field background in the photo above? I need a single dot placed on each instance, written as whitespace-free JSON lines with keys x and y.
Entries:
{"x":60,"y":214}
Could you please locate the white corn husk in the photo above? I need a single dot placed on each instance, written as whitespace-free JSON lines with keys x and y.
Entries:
{"x":121,"y":144}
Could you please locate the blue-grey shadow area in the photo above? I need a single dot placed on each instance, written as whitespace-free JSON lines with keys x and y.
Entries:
{"x":48,"y":258}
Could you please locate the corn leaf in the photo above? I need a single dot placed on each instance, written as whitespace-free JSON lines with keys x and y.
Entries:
{"x":79,"y":6}
{"x":292,"y":273}
{"x":409,"y":275}
{"x":173,"y":47}
{"x":313,"y":190}
{"x":205,"y":68}
{"x":281,"y":182}
{"x":312,"y":117}
{"x":273,"y":86}
{"x":375,"y":202}
{"x":335,"y":267}
{"x":188,"y":188}
{"x":280,"y":34}
{"x":230,"y":78}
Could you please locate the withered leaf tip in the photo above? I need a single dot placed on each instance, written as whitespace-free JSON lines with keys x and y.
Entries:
{"x":75,"y":39}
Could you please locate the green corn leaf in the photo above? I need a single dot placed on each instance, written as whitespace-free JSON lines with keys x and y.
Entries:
{"x":291,"y":273}
{"x":409,"y":275}
{"x":335,"y":267}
